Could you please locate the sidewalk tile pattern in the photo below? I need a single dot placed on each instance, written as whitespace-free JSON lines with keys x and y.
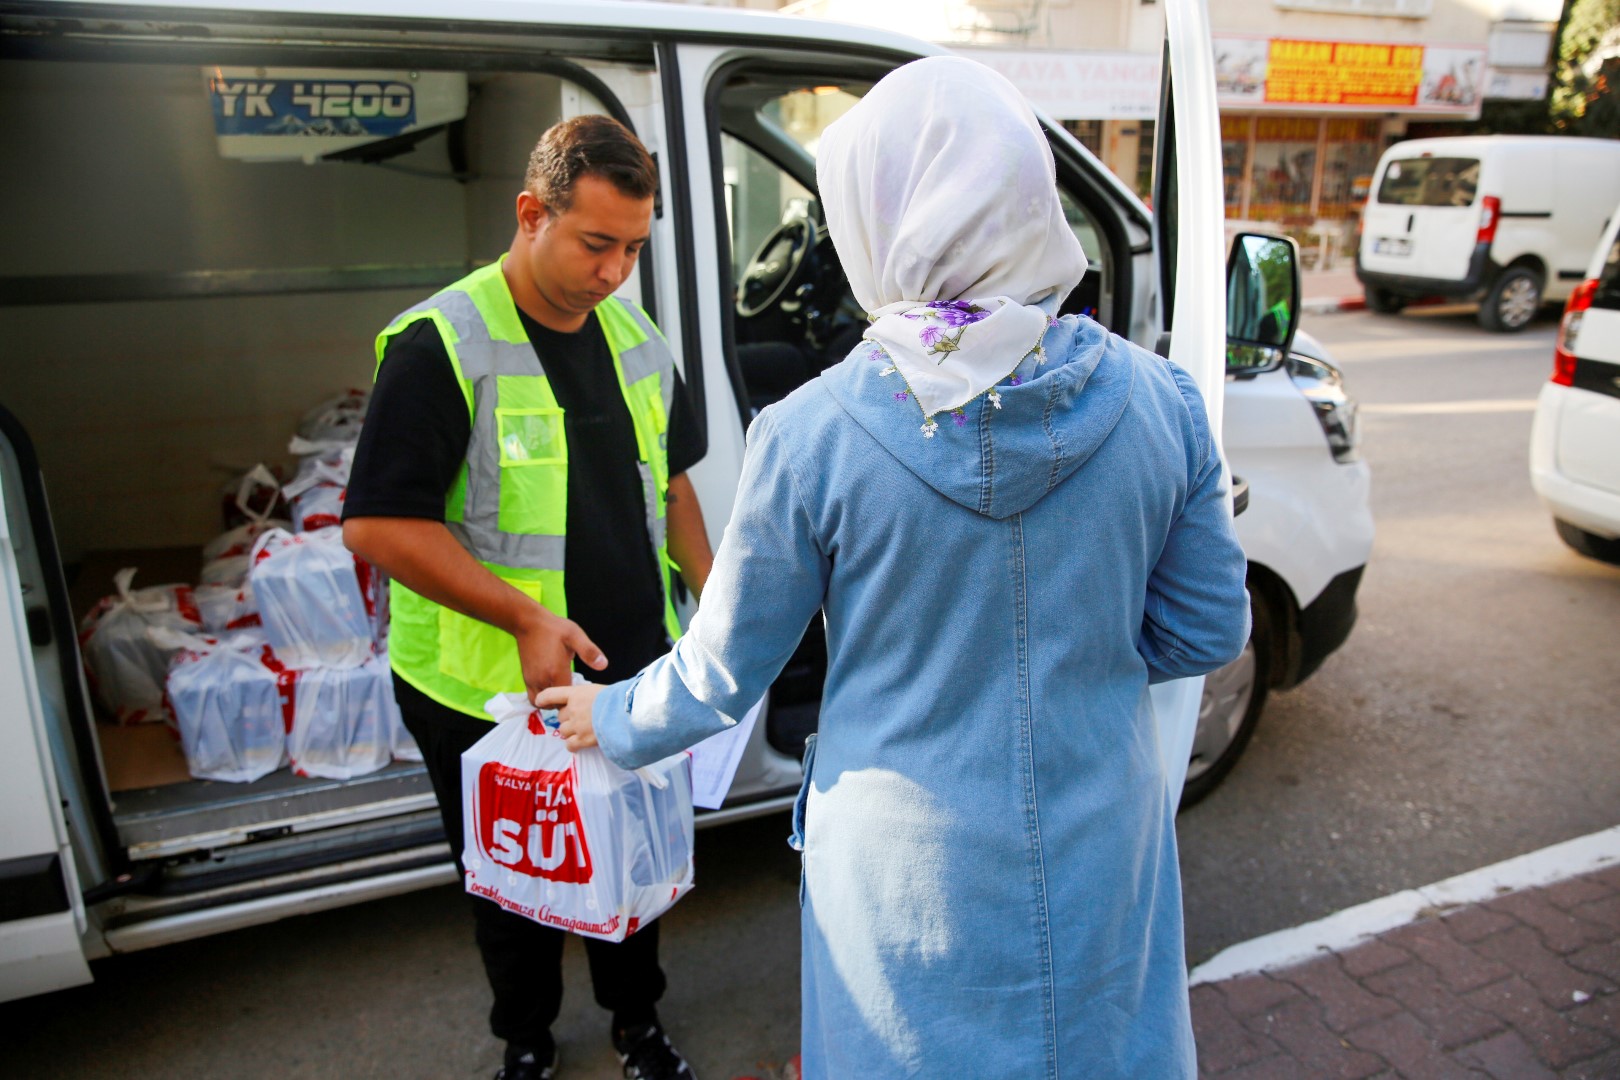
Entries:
{"x":1522,"y":987}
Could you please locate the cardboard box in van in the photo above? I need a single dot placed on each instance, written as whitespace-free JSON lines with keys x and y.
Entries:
{"x":1507,"y":220}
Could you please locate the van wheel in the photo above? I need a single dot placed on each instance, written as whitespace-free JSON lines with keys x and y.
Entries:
{"x":1589,"y":544}
{"x":1512,"y":302}
{"x":1230,"y":709}
{"x":1384,"y":302}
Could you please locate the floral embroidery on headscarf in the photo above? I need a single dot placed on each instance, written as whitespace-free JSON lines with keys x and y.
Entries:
{"x":992,"y":395}
{"x":942,"y":316}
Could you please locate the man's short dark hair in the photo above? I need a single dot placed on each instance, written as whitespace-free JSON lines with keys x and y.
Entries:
{"x":593,"y":145}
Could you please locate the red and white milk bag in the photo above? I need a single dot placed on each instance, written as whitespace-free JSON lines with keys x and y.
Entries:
{"x":572,"y":840}
{"x":317,"y":601}
{"x":126,"y":668}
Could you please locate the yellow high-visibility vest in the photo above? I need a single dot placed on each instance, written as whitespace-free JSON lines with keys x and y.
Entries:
{"x":508,"y":505}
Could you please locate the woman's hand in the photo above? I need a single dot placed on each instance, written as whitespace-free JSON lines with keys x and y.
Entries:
{"x":573,"y":705}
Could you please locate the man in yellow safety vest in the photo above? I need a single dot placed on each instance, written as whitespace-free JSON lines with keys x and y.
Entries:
{"x":521,"y":477}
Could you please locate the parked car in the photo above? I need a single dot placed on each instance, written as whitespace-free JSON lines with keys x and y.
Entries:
{"x":246,"y":264}
{"x":1575,"y":438}
{"x":1507,"y":220}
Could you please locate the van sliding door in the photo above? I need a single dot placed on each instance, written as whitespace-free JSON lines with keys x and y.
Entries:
{"x":42,"y":916}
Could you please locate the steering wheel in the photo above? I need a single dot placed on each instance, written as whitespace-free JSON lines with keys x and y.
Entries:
{"x":778,"y":264}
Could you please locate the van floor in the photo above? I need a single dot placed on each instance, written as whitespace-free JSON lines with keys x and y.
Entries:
{"x":160,"y":810}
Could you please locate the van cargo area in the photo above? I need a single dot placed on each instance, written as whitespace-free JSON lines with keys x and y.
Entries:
{"x":177,"y":289}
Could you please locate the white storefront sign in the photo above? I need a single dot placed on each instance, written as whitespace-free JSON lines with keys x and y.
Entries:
{"x":1080,"y":85}
{"x":1516,"y":85}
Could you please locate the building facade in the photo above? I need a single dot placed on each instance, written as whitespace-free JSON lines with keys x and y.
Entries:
{"x":1311,"y":91}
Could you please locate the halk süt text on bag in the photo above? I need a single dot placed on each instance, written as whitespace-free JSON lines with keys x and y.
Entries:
{"x":572,"y":840}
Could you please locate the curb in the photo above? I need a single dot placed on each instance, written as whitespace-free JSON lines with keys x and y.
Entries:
{"x":1352,"y":926}
{"x":1329,"y":305}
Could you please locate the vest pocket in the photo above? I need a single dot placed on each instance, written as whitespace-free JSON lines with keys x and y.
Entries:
{"x":531,"y":436}
{"x":533,"y":470}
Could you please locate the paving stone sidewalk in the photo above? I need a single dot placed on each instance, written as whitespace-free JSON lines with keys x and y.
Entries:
{"x":1525,"y":986}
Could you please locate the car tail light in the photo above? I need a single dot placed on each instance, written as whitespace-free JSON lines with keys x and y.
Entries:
{"x":1490,"y":213}
{"x":1563,"y":372}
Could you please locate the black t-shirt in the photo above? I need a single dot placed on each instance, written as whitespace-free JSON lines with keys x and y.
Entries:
{"x":415,"y":440}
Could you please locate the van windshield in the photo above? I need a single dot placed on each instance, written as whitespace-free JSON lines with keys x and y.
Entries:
{"x":1430,"y":181}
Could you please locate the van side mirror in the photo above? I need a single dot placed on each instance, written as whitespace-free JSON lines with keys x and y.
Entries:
{"x":1262,"y":302}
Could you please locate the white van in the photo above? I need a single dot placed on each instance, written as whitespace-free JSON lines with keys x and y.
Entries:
{"x":1508,"y":220}
{"x":187,"y":270}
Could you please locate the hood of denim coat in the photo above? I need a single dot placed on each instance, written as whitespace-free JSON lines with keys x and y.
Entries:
{"x":1054,"y":415}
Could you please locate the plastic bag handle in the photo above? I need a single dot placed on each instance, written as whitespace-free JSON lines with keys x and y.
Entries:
{"x":258,"y":476}
{"x":656,"y":779}
{"x":323,"y":472}
{"x":165,"y":638}
{"x":123,"y":580}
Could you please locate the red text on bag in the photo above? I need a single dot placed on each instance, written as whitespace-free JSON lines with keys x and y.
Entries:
{"x":528,"y":821}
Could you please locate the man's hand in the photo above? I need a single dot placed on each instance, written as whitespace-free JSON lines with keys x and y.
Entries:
{"x":423,"y":556}
{"x":547,"y":644}
{"x":573,"y":705}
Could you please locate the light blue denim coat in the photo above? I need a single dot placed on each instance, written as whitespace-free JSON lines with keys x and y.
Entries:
{"x":990,"y":882}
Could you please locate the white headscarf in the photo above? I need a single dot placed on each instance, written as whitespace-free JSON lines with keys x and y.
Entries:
{"x":939,"y":187}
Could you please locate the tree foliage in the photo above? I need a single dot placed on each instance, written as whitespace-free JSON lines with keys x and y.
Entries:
{"x":1585,"y":91}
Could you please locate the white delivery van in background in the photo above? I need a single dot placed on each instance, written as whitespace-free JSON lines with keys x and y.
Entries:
{"x":1508,"y":220}
{"x":191,"y":263}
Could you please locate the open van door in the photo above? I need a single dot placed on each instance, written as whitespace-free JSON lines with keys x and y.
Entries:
{"x":42,"y":914}
{"x":1188,"y":233}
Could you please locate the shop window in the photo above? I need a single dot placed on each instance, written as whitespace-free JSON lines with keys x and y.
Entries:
{"x":1144,"y":157}
{"x":1284,"y":168}
{"x":1234,"y":159}
{"x":1089,"y":133}
{"x":1347,"y":167}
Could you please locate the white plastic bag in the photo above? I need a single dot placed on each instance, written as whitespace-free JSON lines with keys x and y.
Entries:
{"x":572,"y":840}
{"x":230,"y":705}
{"x":317,"y":601}
{"x":319,"y":506}
{"x":257,"y":522}
{"x":230,"y":572}
{"x":316,"y":493}
{"x":337,"y":419}
{"x":343,"y":721}
{"x":253,"y":496}
{"x":225,"y":608}
{"x":126,"y":668}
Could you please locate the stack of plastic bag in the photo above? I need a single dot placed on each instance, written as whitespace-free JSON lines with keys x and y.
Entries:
{"x":226,"y":557}
{"x":317,"y":601}
{"x":125,"y":667}
{"x":572,"y":840}
{"x":228,"y":702}
{"x":343,"y":721}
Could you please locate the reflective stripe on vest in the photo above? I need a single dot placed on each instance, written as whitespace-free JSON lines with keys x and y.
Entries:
{"x":508,"y":505}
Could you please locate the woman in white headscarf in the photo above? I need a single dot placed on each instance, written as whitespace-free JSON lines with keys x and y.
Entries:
{"x":1012,"y":524}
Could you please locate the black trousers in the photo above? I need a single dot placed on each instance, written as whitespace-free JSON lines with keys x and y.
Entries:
{"x":522,"y":958}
